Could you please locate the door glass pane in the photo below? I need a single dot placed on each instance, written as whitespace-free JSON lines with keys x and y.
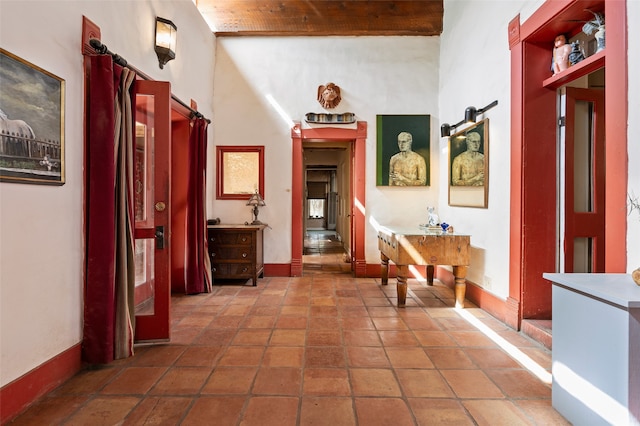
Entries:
{"x":583,"y":157}
{"x":144,"y":261}
{"x":144,"y":206}
{"x":582,"y":255}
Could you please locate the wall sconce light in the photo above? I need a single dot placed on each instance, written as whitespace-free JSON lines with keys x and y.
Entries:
{"x":470,"y":116}
{"x":255,"y":201}
{"x":166,"y":32}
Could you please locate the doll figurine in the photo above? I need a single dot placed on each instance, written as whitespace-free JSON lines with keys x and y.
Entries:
{"x":561,"y":51}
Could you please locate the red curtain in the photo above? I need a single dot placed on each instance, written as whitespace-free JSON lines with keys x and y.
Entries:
{"x":108,"y":323}
{"x":198,"y":264}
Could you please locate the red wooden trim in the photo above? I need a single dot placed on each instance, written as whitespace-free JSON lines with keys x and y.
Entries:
{"x":220,"y":151}
{"x":564,"y":12}
{"x":16,"y":396}
{"x":358,"y":138}
{"x":514,"y":31}
{"x":589,"y":65}
{"x":475,"y":294}
{"x":277,"y":270}
{"x":359,"y":174}
{"x":512,"y":313}
{"x":616,"y":111}
{"x":297,"y":200}
{"x":89,"y":31}
{"x":532,"y":135}
{"x":515,"y":224}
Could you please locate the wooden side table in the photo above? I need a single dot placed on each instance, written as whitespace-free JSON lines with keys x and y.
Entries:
{"x":416,"y":246}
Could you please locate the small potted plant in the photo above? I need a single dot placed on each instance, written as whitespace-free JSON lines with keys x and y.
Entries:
{"x":595,"y":25}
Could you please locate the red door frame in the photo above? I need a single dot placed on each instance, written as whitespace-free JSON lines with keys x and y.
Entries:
{"x":533,"y":150}
{"x":358,"y":138}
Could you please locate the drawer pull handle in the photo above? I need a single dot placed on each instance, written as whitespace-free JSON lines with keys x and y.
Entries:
{"x":244,"y":255}
{"x":245,"y":269}
{"x":244,"y":239}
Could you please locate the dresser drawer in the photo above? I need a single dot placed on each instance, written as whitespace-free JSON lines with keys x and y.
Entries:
{"x":230,"y":238}
{"x":231,"y":270}
{"x":222,"y":253}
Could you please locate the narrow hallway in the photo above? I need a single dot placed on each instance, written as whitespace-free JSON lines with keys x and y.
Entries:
{"x":324,"y":254}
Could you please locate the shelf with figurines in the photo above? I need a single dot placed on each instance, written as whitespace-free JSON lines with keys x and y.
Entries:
{"x":568,"y":60}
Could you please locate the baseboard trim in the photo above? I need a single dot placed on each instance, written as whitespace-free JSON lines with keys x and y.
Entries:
{"x":277,"y":270}
{"x":16,"y":396}
{"x":477,"y":295}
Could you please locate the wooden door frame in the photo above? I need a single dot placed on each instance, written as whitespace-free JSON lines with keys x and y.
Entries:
{"x":358,"y":138}
{"x":533,"y":149}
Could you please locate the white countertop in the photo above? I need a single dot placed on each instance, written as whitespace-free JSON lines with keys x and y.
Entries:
{"x":618,"y":289}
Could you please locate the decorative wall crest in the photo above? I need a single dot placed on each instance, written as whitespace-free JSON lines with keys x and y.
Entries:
{"x":329,"y":95}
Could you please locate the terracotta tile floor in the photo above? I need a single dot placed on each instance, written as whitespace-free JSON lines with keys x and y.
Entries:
{"x":322,"y":349}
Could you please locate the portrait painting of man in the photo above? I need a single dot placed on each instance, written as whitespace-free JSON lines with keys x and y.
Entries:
{"x":403,"y":150}
{"x":469,"y":166}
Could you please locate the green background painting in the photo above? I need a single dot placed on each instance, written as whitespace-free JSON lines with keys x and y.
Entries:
{"x":387,"y":128}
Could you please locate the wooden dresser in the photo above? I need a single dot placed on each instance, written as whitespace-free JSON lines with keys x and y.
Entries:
{"x":236,"y":251}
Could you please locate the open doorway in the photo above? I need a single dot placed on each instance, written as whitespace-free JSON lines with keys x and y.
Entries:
{"x":327,"y":225}
{"x":353,"y":140}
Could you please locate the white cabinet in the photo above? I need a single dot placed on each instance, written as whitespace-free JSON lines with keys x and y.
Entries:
{"x":596,"y":348}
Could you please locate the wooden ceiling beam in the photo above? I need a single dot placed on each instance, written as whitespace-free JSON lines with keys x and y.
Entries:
{"x":323,"y":17}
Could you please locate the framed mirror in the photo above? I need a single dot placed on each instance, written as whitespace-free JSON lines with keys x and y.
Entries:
{"x":240,"y":172}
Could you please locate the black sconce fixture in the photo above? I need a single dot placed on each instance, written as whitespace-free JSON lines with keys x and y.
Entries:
{"x":166,"y":32}
{"x":470,"y":116}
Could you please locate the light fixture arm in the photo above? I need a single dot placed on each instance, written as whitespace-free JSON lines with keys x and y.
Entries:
{"x":488,"y":107}
{"x":470,"y":116}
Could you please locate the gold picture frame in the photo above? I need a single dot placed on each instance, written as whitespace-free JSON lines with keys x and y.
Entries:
{"x":31,"y":123}
{"x":469,"y":166}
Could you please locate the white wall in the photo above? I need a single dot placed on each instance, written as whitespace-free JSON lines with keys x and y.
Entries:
{"x":377,"y":75}
{"x":475,"y":70}
{"x":42,"y":247}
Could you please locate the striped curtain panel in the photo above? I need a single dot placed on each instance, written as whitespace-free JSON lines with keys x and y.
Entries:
{"x":110,"y":281}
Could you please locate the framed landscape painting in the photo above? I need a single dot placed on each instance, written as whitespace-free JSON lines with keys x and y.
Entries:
{"x":403,"y":150}
{"x":31,"y":123}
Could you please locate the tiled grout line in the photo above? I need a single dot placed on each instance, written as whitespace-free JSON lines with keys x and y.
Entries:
{"x":364,"y":291}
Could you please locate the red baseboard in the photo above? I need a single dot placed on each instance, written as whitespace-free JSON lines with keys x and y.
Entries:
{"x":476,"y":294}
{"x":16,"y":396}
{"x":277,"y":270}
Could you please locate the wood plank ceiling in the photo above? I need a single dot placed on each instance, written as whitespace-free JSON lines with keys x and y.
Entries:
{"x":323,"y":17}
